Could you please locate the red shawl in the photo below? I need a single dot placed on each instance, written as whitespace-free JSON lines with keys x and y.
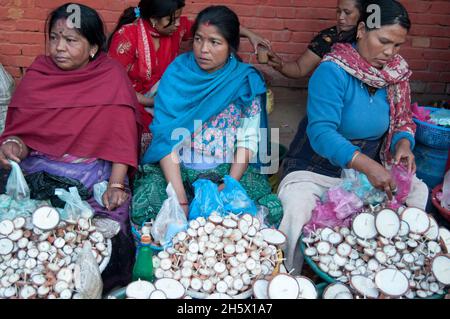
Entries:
{"x":133,"y":47}
{"x":89,"y":112}
{"x":394,"y":76}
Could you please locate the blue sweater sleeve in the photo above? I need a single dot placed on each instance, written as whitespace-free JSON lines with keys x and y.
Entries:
{"x":399,"y":136}
{"x":325,"y":104}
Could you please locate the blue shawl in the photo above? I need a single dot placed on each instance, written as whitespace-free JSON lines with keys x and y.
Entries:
{"x":187,"y":93}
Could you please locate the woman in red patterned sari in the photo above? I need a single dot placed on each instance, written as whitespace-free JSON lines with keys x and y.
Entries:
{"x":147,"y":39}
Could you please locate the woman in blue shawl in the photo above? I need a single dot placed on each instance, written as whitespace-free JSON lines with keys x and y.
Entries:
{"x":208,"y":114}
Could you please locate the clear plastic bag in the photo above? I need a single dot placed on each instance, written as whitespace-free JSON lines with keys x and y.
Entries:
{"x":88,"y":279}
{"x":17,"y":186}
{"x":235,"y":198}
{"x":99,"y":190}
{"x":358,"y":183}
{"x":206,"y":201}
{"x":75,"y":207}
{"x":170,"y":220}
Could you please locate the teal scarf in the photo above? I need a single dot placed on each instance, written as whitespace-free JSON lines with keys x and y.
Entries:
{"x":187,"y":93}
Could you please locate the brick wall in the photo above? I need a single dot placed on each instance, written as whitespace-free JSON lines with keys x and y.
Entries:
{"x":289,"y":24}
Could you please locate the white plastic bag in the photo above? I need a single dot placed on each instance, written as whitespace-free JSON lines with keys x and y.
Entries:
{"x":75,"y":207}
{"x":99,"y":190}
{"x":88,"y":279}
{"x":17,"y":186}
{"x":171,"y":219}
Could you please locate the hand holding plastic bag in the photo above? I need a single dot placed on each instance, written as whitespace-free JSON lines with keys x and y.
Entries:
{"x":75,"y":207}
{"x":99,"y":190}
{"x":17,"y":186}
{"x":206,"y":201}
{"x":170,"y":220}
{"x":235,"y":198}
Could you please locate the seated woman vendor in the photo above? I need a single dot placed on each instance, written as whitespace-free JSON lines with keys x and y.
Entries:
{"x":358,"y":116}
{"x":74,"y":117}
{"x":212,"y":87}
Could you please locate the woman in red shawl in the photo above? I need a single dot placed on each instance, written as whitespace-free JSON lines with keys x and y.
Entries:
{"x":74,"y":116}
{"x":148,"y":38}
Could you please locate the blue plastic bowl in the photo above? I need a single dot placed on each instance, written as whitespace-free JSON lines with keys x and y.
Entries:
{"x":432,"y":135}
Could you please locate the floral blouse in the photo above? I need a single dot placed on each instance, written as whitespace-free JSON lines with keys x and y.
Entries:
{"x":233,"y":127}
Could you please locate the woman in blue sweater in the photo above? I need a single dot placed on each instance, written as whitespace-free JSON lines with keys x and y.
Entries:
{"x":358,"y":116}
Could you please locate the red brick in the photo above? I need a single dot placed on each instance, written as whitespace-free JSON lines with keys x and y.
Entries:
{"x":436,"y":88}
{"x":421,"y":42}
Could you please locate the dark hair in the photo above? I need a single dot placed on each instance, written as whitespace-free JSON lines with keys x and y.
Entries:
{"x":149,"y":9}
{"x":391,"y":12}
{"x":225,"y":20}
{"x":91,"y":25}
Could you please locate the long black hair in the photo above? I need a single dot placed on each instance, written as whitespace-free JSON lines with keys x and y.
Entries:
{"x":91,"y":25}
{"x":149,"y":9}
{"x":391,"y":12}
{"x":226,"y":22}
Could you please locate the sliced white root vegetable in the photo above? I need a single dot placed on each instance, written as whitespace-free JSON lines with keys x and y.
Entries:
{"x":260,"y":289}
{"x":373,"y":265}
{"x":139,"y":289}
{"x":6,"y":246}
{"x":194,"y":224}
{"x":344,"y":295}
{"x":392,"y":282}
{"x":440,"y":268}
{"x":387,"y":223}
{"x":273,"y":236}
{"x":417,"y":219}
{"x":171,"y":287}
{"x":46,"y":218}
{"x":364,"y":226}
{"x":364,"y":286}
{"x":243,"y":226}
{"x":219,"y":296}
{"x":311,"y":251}
{"x":323,"y":247}
{"x":6,"y":227}
{"x":335,"y":238}
{"x":404,"y":229}
{"x":158,"y":294}
{"x":344,"y":250}
{"x":444,"y":238}
{"x":19,"y":222}
{"x":307,"y":288}
{"x":229,"y":223}
{"x":248,"y":218}
{"x":339,"y":260}
{"x":334,"y":290}
{"x":215,"y":218}
{"x":381,"y":257}
{"x":325,"y":233}
{"x":434,"y":248}
{"x":433,"y":232}
{"x":283,"y":286}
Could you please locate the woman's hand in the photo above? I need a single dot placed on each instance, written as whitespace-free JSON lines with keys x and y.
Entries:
{"x":255,"y":39}
{"x":275,"y":61}
{"x":13,"y":151}
{"x":377,"y":175}
{"x":404,"y":155}
{"x":114,"y":198}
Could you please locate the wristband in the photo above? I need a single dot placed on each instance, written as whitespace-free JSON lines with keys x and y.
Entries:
{"x":13,"y":140}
